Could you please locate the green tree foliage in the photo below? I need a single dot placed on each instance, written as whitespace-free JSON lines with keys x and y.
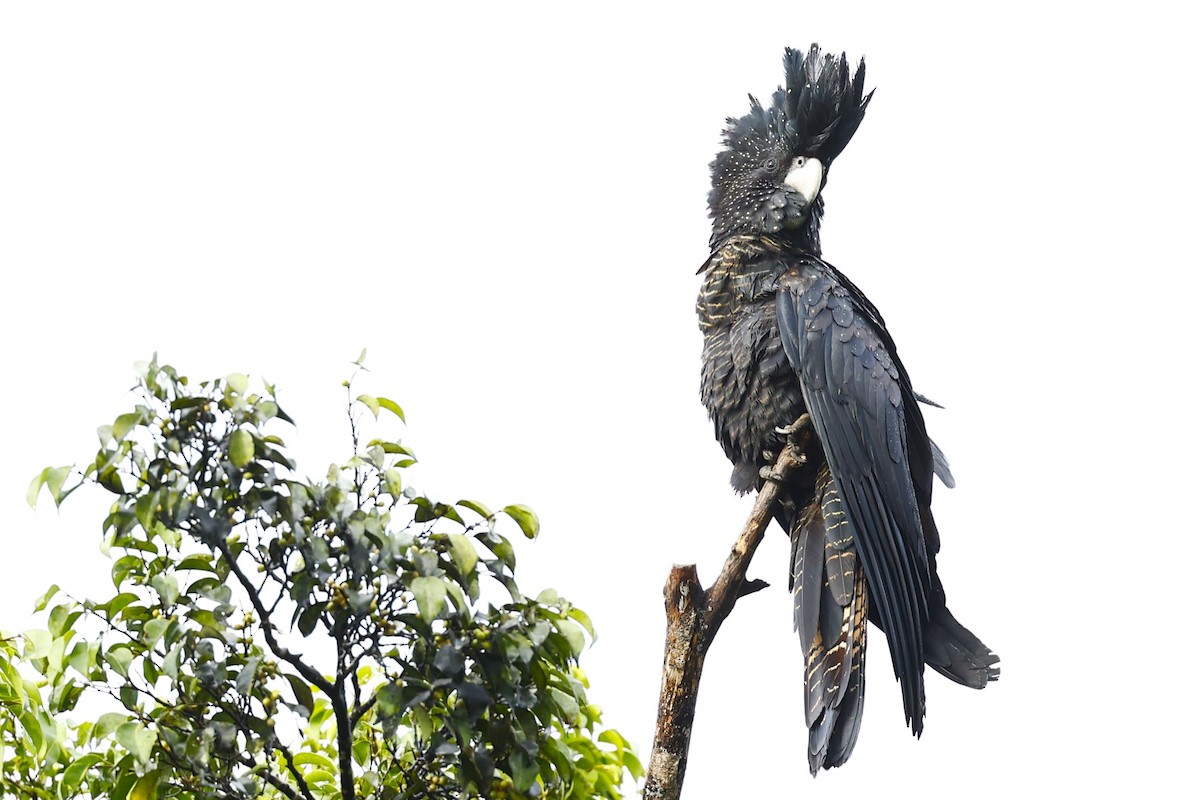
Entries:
{"x":276,"y":636}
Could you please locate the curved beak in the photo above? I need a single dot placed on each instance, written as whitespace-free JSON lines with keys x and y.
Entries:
{"x":804,"y":178}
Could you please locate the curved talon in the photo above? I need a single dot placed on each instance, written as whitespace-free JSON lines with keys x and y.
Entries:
{"x":791,"y":430}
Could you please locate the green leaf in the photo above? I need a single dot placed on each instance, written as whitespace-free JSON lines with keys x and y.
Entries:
{"x":304,"y":695}
{"x":167,"y":587}
{"x":186,"y":402}
{"x":198,"y":561}
{"x":37,"y":644}
{"x":52,"y":478}
{"x":430,"y":594}
{"x":33,"y":729}
{"x":392,"y":448}
{"x":124,"y":784}
{"x":391,"y":406}
{"x":147,"y":786}
{"x":371,"y":402}
{"x":137,"y":739}
{"x":524,"y":771}
{"x":422,"y":722}
{"x":44,"y":600}
{"x":390,"y":699}
{"x":246,"y":677}
{"x":319,"y":776}
{"x":171,"y":662}
{"x":459,"y":599}
{"x":316,"y":759}
{"x":119,"y":658}
{"x":463,"y":553}
{"x":307,"y":621}
{"x":584,"y":620}
{"x":80,"y":658}
{"x":361,"y":750}
{"x":153,"y":630}
{"x":630,"y":761}
{"x":241,"y":447}
{"x":478,"y":508}
{"x":54,"y":657}
{"x":238,"y":382}
{"x":145,"y":509}
{"x":122,"y":568}
{"x":124,"y":424}
{"x":612,"y":737}
{"x":392,"y":482}
{"x":502,"y":548}
{"x":114,"y":606}
{"x":566,"y":703}
{"x":73,"y":775}
{"x":171,"y":536}
{"x":107,"y":724}
{"x":572,"y":633}
{"x":525,"y":517}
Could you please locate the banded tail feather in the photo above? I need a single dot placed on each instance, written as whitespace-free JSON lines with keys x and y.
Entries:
{"x":829,"y":590}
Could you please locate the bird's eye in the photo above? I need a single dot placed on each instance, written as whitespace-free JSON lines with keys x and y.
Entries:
{"x":771,"y":164}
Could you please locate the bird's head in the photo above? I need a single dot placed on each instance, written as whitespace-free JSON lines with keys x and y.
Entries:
{"x":769,"y":177}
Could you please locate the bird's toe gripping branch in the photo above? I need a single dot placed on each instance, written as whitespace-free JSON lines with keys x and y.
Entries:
{"x":792,"y":454}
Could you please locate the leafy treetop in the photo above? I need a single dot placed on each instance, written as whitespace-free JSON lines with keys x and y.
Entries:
{"x":272,"y":636}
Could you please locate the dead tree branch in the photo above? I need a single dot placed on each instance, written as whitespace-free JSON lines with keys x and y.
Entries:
{"x":694,"y":614}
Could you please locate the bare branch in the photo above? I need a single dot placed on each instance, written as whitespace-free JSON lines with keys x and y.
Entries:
{"x":694,"y":615}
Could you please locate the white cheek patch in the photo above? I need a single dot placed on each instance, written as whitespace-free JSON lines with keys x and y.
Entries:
{"x":804,"y":178}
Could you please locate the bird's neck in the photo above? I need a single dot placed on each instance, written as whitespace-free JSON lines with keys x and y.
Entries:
{"x":808,"y":236}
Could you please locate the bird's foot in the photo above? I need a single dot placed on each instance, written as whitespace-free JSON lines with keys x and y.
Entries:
{"x":792,"y":454}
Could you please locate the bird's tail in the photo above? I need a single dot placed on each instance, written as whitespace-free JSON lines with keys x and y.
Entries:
{"x":950,"y":648}
{"x":829,"y":589}
{"x":957,"y":653}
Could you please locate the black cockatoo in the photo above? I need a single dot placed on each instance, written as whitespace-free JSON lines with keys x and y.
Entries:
{"x":785,"y":333}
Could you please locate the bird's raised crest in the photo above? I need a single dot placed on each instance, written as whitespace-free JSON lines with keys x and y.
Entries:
{"x":821,"y":103}
{"x":815,"y":113}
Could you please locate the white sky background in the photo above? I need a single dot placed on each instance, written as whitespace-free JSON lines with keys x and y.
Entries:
{"x":508,"y":210}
